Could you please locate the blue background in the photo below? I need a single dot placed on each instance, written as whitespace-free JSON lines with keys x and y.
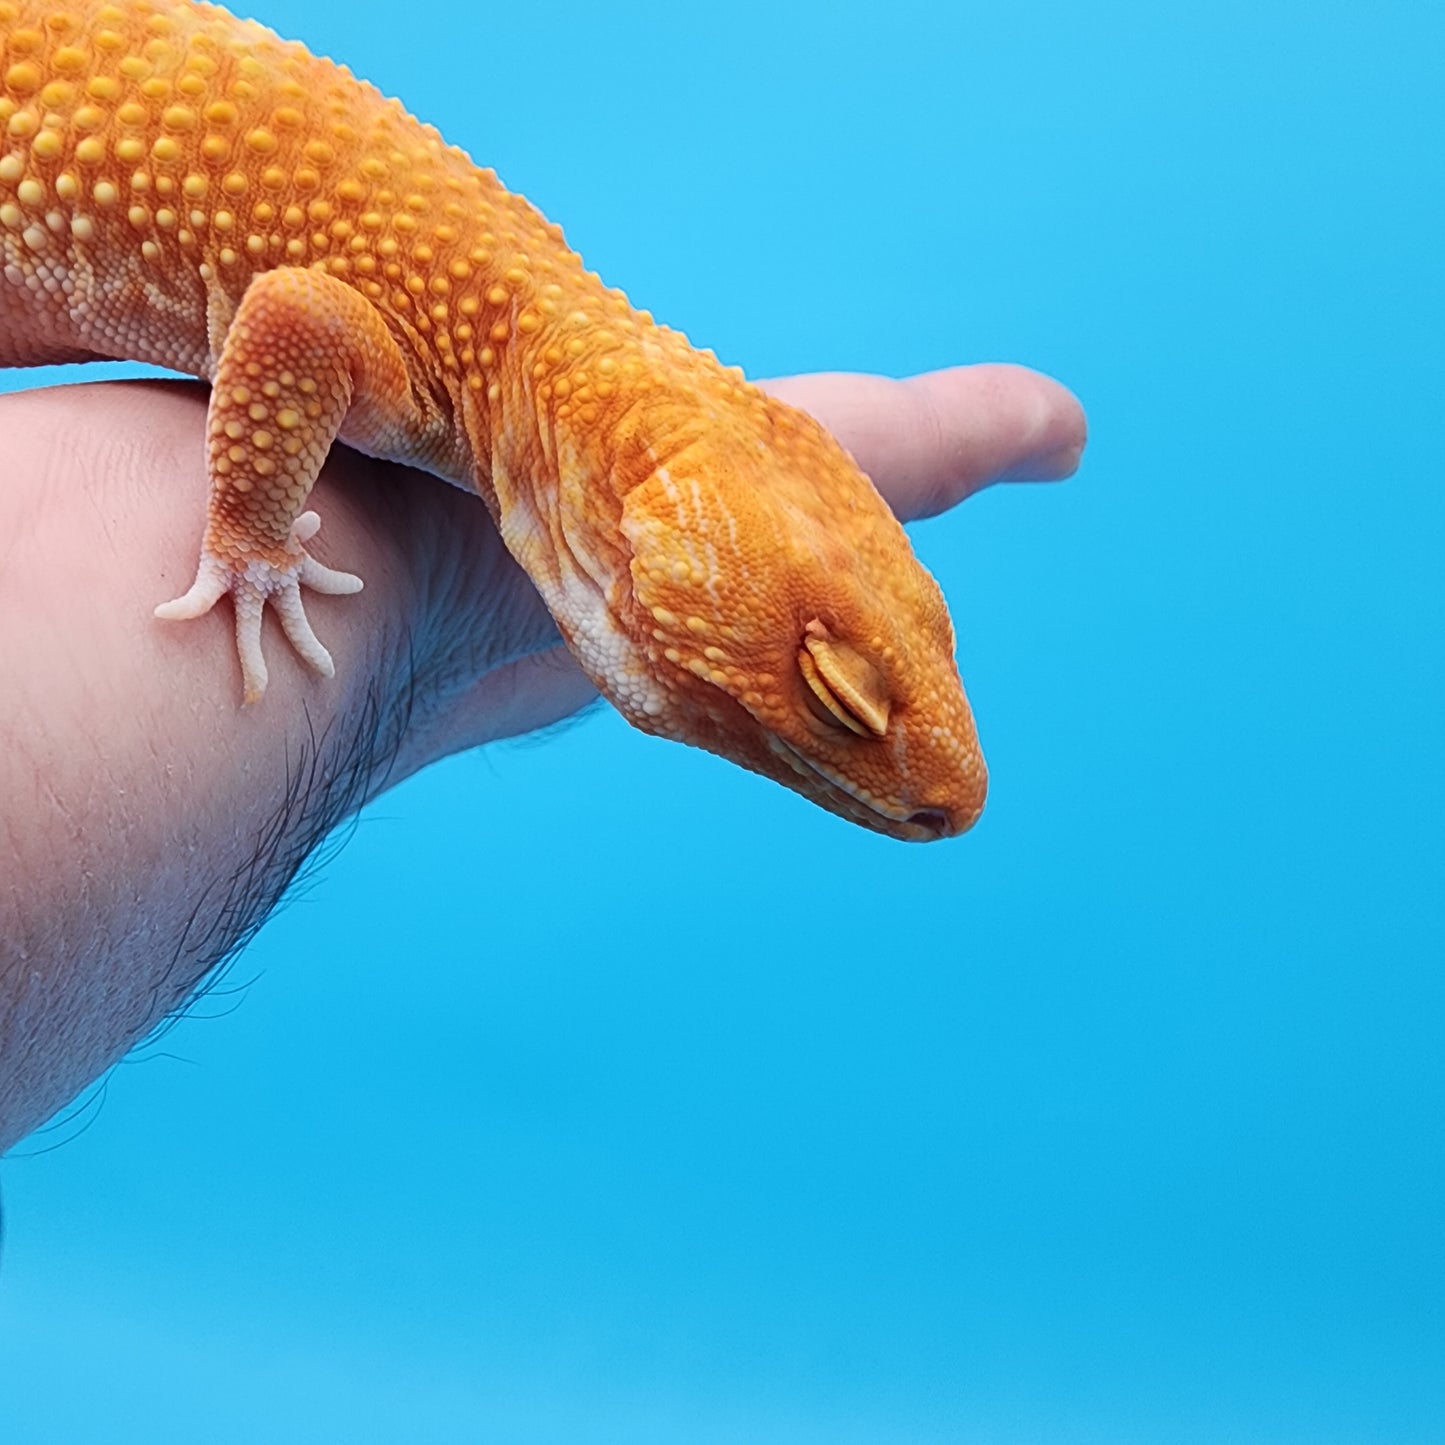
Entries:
{"x":600,"y":1092}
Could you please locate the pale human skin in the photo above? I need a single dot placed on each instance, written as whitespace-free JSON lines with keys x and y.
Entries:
{"x":148,"y":824}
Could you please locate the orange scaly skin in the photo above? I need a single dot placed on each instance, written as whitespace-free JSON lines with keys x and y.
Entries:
{"x":182,"y":187}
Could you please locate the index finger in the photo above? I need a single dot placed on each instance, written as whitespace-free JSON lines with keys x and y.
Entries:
{"x":930,"y":441}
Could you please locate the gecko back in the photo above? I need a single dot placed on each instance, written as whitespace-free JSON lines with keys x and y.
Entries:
{"x":182,"y":187}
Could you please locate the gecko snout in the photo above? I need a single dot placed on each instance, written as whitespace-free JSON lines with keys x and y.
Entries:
{"x":956,"y":815}
{"x":936,"y":822}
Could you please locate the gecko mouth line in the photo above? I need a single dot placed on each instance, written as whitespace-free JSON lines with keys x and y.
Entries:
{"x":922,"y":825}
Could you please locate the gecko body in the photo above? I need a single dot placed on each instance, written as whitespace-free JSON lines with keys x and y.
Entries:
{"x":182,"y":187}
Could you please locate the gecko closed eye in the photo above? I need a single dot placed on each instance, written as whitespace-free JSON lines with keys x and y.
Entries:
{"x":844,"y":687}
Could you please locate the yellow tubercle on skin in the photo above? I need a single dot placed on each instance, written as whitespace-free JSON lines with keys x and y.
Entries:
{"x":183,"y":187}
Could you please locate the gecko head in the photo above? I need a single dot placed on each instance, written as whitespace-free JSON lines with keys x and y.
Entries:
{"x":782,"y":620}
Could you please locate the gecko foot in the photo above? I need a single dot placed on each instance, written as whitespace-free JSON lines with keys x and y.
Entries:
{"x":251,"y":586}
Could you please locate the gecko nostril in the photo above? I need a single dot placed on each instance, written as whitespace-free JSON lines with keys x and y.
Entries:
{"x":934,"y":820}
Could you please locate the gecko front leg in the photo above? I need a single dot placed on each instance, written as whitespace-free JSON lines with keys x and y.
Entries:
{"x":304,"y":358}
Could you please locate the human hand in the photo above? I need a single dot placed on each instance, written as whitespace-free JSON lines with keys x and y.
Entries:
{"x":148,"y":822}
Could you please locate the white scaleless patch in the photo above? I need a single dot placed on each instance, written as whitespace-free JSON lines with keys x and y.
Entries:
{"x":183,"y":187}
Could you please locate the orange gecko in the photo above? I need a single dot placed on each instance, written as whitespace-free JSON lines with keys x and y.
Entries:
{"x":182,"y":187}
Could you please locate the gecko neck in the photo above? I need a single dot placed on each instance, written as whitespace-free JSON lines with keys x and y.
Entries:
{"x":580,"y":407}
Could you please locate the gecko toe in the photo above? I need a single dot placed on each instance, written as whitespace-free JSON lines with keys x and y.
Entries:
{"x":249,"y":602}
{"x":320,"y":578}
{"x":292,"y":613}
{"x":213,"y":581}
{"x":316,"y":575}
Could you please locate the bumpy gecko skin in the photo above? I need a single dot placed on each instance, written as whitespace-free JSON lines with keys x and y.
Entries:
{"x":182,"y":187}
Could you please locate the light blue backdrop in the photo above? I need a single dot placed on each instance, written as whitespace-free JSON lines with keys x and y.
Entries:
{"x":1119,"y":1120}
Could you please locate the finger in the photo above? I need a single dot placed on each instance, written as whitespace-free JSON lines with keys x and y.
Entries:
{"x":932,"y":440}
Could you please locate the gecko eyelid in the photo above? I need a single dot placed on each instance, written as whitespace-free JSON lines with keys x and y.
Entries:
{"x":846,"y":685}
